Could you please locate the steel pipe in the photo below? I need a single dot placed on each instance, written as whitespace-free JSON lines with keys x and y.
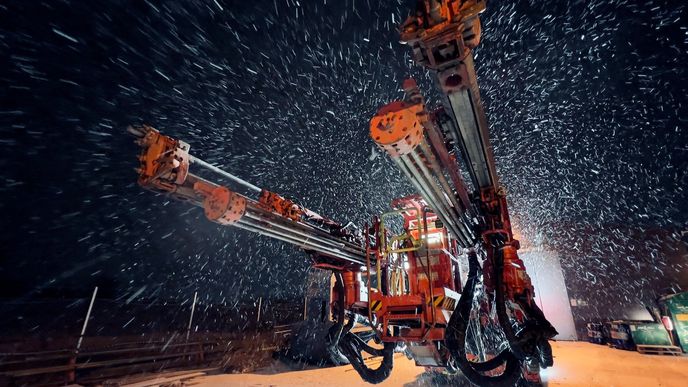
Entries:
{"x":442,"y":198}
{"x":250,"y":225}
{"x":423,"y":177}
{"x":308,"y":228}
{"x":287,"y":228}
{"x":427,"y":152}
{"x":204,"y":164}
{"x":433,"y":195}
{"x":407,"y":167}
{"x":428,"y":198}
{"x":303,"y":244}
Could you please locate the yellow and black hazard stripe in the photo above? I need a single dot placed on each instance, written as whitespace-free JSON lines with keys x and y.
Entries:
{"x":449,"y":304}
{"x":376,"y":305}
{"x":436,"y":301}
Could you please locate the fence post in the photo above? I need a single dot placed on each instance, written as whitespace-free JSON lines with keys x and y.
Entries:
{"x":260,"y":304}
{"x":193,"y":307}
{"x":71,"y":376}
{"x":305,"y":305}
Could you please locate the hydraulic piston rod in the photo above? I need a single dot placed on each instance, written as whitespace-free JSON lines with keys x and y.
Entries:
{"x":206,"y":165}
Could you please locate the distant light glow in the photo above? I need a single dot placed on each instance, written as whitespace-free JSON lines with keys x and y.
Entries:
{"x":433,"y":238}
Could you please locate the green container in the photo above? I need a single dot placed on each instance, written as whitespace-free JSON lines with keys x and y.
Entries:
{"x":649,"y":333}
{"x":678,"y":307}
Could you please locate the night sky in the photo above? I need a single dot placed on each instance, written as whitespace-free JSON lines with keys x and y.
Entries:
{"x":586,"y":100}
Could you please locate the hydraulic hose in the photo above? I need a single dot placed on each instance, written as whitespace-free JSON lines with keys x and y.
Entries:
{"x":536,"y":333}
{"x":543,"y":345}
{"x":545,"y":352}
{"x":455,"y":339}
{"x":342,"y":341}
{"x":515,"y":343}
{"x":335,"y":332}
{"x":352,"y":346}
{"x":532,"y":339}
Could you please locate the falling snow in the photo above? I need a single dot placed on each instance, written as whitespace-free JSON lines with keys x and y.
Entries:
{"x":586,"y":101}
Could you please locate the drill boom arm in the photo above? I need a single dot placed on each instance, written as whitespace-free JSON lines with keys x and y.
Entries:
{"x":165,"y":164}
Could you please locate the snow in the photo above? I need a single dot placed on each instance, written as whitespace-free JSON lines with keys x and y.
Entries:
{"x":586,"y":102}
{"x":576,"y":364}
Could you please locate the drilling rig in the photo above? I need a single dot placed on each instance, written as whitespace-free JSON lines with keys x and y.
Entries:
{"x":401,"y":275}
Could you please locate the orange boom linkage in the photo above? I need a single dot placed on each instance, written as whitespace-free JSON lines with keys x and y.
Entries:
{"x":165,"y":164}
{"x":404,"y":276}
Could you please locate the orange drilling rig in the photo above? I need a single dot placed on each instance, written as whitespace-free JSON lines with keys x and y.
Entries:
{"x":401,"y":276}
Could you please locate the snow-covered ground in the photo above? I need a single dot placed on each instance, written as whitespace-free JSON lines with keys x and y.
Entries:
{"x":576,"y":364}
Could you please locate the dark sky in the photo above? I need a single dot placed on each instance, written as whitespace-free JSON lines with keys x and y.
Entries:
{"x":586,"y":100}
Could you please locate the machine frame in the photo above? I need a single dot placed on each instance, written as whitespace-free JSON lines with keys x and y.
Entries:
{"x":407,"y":286}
